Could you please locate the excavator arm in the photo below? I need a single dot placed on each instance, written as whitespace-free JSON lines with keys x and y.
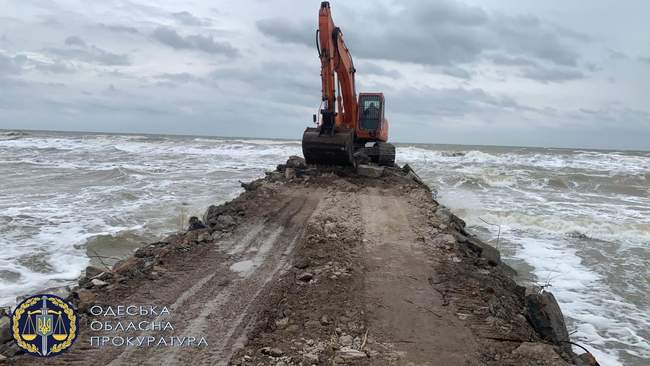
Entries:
{"x":337,"y":70}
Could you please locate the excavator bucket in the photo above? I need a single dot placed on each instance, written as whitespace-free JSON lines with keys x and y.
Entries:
{"x":328,"y":149}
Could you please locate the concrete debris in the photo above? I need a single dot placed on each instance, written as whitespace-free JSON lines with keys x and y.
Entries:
{"x":305,"y":276}
{"x":349,"y":354}
{"x":92,"y":271}
{"x":370,"y":171}
{"x":5,"y":335}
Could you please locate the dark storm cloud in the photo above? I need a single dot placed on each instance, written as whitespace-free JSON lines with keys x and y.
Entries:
{"x":187,"y":18}
{"x":171,"y":38}
{"x":445,"y":33}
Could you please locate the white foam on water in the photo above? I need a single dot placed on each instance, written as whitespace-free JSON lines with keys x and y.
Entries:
{"x":541,"y":199}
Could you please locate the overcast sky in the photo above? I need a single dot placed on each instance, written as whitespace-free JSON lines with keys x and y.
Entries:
{"x":543,"y":73}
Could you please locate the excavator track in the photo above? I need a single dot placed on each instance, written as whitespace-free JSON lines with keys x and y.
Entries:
{"x":383,"y":153}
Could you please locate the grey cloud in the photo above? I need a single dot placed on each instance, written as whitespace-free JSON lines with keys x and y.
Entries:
{"x":21,"y":63}
{"x":75,"y":41}
{"x":9,"y":65}
{"x":207,"y":44}
{"x":528,"y":35}
{"x":502,"y":59}
{"x":616,"y":55}
{"x":187,"y":18}
{"x":91,"y":54}
{"x":450,"y":102}
{"x":593,"y":67}
{"x":119,"y":28}
{"x":457,"y":72}
{"x":444,"y":33}
{"x":645,"y":60}
{"x":555,"y":74}
{"x":371,"y":68}
{"x":287,"y":31}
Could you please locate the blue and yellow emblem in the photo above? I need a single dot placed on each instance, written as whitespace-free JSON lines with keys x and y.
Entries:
{"x":44,"y":325}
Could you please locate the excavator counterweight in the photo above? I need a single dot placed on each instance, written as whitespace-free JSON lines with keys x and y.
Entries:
{"x":347,"y":124}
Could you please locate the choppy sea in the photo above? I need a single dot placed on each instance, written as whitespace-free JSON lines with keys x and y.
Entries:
{"x":575,"y":220}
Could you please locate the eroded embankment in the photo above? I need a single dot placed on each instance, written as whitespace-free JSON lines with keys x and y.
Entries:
{"x":313,"y":266}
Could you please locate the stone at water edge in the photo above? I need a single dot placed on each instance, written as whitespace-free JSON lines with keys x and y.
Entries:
{"x":296,"y":162}
{"x":543,"y":312}
{"x":92,"y":271}
{"x":195,"y":224}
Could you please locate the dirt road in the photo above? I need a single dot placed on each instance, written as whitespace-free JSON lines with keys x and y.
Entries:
{"x":319,"y":269}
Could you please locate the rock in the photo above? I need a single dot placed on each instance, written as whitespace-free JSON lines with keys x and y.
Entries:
{"x":224,"y":222}
{"x":484,"y":250}
{"x":312,"y":324}
{"x":131,"y":267}
{"x":86,"y":299}
{"x":543,"y":312}
{"x":310,"y":358}
{"x":302,"y":263}
{"x":195,"y":224}
{"x":10,"y":349}
{"x":445,"y":239}
{"x":282,"y":323}
{"x":443,"y":214}
{"x":346,"y":340}
{"x":305,"y":276}
{"x":289,"y":173}
{"x":281,"y":363}
{"x":586,"y":359}
{"x":273,"y":352}
{"x":324,"y":320}
{"x":370,"y":171}
{"x":296,"y":162}
{"x":539,"y":351}
{"x":5,"y":335}
{"x":204,"y":237}
{"x":98,"y":283}
{"x":92,"y":271}
{"x":349,"y":354}
{"x":254,"y":185}
{"x":274,"y":176}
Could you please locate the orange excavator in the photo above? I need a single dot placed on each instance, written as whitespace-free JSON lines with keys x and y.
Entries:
{"x":349,"y":130}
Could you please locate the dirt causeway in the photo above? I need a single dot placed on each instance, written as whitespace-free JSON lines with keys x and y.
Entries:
{"x":318,"y":267}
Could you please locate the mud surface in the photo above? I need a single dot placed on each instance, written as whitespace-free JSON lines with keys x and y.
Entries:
{"x":321,"y":268}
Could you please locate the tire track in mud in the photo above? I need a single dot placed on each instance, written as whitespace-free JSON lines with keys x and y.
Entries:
{"x":212,"y":298}
{"x":403,"y":312}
